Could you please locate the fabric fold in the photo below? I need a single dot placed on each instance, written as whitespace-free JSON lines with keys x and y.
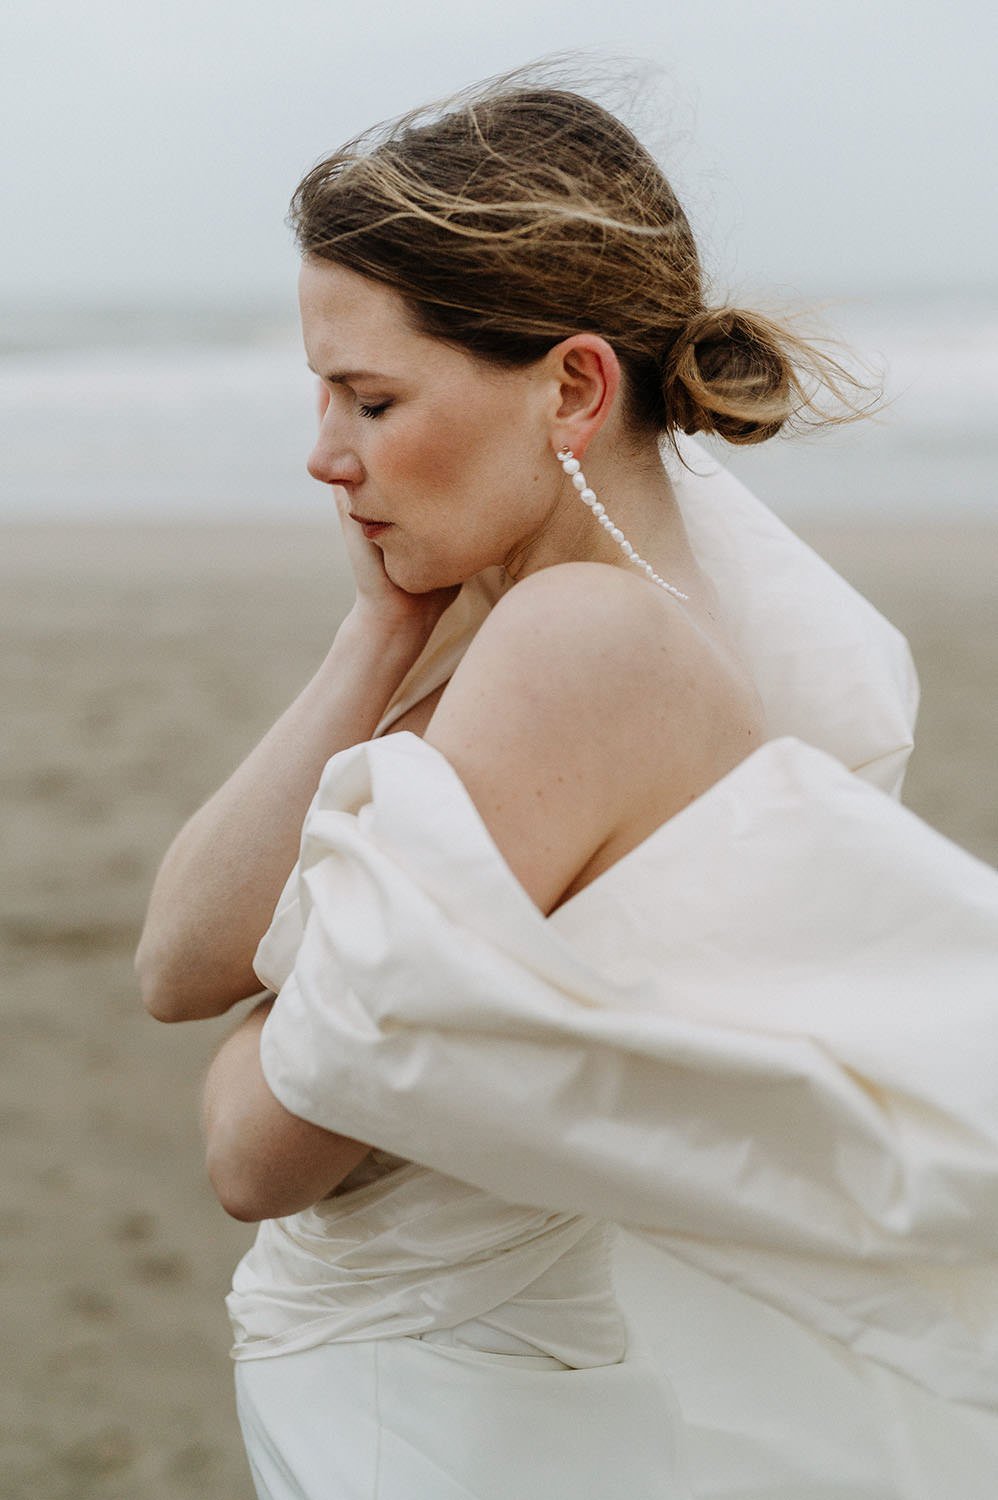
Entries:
{"x":774,"y":1084}
{"x":760,"y":1051}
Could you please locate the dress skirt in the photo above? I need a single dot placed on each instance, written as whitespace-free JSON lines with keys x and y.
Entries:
{"x":414,"y":1419}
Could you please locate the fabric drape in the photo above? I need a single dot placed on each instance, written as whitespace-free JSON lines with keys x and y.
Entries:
{"x":763,"y":1046}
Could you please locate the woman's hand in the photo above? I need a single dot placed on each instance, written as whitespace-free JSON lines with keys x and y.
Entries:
{"x":380,"y":602}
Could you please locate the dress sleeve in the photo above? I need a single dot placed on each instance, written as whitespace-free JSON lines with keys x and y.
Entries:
{"x":278,"y":948}
{"x":805,"y":1055}
{"x":765,"y":1041}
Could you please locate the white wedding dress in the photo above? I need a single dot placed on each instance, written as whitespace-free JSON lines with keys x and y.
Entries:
{"x":688,"y":1189}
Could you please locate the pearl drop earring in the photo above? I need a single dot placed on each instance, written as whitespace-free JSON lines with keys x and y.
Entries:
{"x":573,"y":469}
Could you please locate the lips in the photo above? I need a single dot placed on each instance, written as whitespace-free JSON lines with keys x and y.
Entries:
{"x":371,"y":529}
{"x":367,"y":520}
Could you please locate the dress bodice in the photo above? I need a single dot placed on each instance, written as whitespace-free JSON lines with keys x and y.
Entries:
{"x":414,"y":1252}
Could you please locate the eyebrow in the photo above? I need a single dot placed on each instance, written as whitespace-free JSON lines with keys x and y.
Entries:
{"x":346,"y":377}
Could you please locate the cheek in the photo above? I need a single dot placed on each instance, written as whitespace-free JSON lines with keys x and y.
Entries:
{"x":443,"y":456}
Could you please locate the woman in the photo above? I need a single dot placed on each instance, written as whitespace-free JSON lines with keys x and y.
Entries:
{"x":594,"y":917}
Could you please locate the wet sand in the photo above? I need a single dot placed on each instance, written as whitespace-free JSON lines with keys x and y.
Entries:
{"x":141,"y":663}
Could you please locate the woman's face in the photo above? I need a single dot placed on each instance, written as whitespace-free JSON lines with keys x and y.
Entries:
{"x":453,"y":452}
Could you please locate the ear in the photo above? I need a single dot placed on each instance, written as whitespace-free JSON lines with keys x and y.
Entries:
{"x":586,"y":375}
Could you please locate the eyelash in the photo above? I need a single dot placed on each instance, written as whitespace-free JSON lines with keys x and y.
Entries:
{"x":374,"y":411}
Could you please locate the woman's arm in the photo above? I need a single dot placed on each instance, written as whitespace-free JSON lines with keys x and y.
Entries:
{"x":575,"y":708}
{"x":264,"y":1162}
{"x":218,"y":884}
{"x":216,"y":889}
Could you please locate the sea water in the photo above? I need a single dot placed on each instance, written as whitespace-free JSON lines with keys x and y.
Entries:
{"x":210,"y":416}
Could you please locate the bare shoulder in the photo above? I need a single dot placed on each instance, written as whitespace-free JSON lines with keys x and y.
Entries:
{"x":579,"y":709}
{"x":587,"y":609}
{"x":584,"y":644}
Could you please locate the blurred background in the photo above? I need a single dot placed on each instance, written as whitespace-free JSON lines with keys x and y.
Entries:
{"x":170,"y":577}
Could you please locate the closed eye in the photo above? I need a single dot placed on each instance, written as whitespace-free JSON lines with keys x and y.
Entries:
{"x":374,"y":411}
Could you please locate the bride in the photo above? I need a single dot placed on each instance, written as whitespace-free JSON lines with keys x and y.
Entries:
{"x":594,"y":1146}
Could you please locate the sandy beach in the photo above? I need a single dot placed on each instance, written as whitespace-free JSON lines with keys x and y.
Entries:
{"x":140,"y":664}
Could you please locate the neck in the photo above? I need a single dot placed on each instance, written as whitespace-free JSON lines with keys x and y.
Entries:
{"x":640,"y":500}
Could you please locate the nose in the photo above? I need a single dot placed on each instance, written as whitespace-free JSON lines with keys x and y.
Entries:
{"x":332,"y":460}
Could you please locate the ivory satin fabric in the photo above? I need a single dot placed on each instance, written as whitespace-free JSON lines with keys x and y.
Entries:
{"x":702,"y":1167}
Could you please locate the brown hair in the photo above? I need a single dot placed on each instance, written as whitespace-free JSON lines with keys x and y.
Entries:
{"x":520,"y":215}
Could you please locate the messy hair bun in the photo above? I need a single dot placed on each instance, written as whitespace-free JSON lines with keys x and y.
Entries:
{"x":515,"y":215}
{"x":736,"y":374}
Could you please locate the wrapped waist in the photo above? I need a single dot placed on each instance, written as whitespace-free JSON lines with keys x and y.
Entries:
{"x":421,"y":1253}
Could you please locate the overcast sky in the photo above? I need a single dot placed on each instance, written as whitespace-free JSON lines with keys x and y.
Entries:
{"x":151,"y":146}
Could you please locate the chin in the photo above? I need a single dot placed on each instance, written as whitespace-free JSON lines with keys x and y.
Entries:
{"x":423,"y":579}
